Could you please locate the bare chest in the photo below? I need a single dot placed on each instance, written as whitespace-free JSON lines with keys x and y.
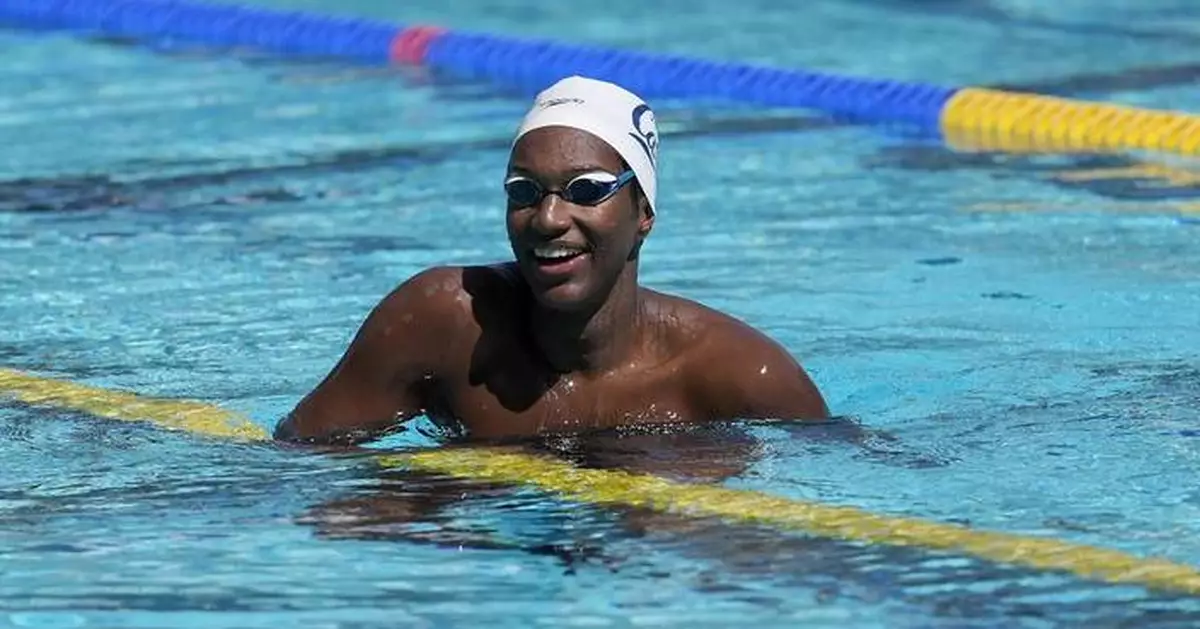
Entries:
{"x":521,"y":402}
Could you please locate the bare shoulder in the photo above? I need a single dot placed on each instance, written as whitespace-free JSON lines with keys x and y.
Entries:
{"x":438,"y":307}
{"x":702,"y":331}
{"x":433,"y":291}
{"x":401,"y":342}
{"x":444,"y":294}
{"x":735,"y":370}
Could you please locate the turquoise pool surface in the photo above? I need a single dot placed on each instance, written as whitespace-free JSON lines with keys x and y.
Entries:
{"x":1010,"y":341}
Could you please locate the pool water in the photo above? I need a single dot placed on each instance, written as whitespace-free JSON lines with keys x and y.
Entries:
{"x":1015,"y":336}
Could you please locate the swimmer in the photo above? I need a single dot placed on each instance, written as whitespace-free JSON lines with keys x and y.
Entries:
{"x":562,"y":339}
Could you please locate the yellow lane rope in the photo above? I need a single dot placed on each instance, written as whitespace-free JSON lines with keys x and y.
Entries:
{"x":194,"y":417}
{"x":616,"y":488}
{"x":978,"y":119}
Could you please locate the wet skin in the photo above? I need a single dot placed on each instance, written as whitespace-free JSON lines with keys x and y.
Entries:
{"x":542,"y":346}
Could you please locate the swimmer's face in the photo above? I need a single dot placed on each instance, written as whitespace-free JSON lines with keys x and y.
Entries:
{"x":572,"y":254}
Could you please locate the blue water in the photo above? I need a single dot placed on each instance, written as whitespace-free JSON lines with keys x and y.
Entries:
{"x":1021,"y":348}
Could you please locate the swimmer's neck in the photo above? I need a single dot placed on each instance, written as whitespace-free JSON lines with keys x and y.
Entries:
{"x":594,"y":340}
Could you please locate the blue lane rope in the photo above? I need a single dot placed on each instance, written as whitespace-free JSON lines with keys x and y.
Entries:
{"x":965,"y":118}
{"x":515,"y":62}
{"x":537,"y":63}
{"x":281,"y":32}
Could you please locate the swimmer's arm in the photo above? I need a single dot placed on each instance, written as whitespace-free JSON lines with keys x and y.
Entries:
{"x":747,"y":375}
{"x":376,"y":382}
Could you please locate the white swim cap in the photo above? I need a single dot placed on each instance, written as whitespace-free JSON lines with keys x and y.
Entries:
{"x":607,"y":111}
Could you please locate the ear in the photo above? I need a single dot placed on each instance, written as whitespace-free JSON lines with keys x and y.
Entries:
{"x":645,"y":224}
{"x":645,"y":216}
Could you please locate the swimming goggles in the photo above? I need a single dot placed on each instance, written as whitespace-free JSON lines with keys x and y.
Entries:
{"x":587,"y":189}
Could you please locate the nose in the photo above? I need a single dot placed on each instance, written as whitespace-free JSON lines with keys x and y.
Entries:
{"x":553,"y":216}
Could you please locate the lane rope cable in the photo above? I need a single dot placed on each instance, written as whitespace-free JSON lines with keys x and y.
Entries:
{"x":967,"y":118}
{"x":616,"y":488}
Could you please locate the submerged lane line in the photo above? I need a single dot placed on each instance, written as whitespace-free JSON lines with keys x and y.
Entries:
{"x":194,"y":417}
{"x":615,"y":488}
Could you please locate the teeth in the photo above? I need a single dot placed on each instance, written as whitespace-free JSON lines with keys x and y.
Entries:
{"x":555,"y":252}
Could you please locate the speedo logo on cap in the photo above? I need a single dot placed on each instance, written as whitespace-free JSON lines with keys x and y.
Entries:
{"x":554,"y":102}
{"x":644,"y":133}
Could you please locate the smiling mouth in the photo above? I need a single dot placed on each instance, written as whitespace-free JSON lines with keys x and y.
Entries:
{"x":558,"y":259}
{"x":556,"y":254}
